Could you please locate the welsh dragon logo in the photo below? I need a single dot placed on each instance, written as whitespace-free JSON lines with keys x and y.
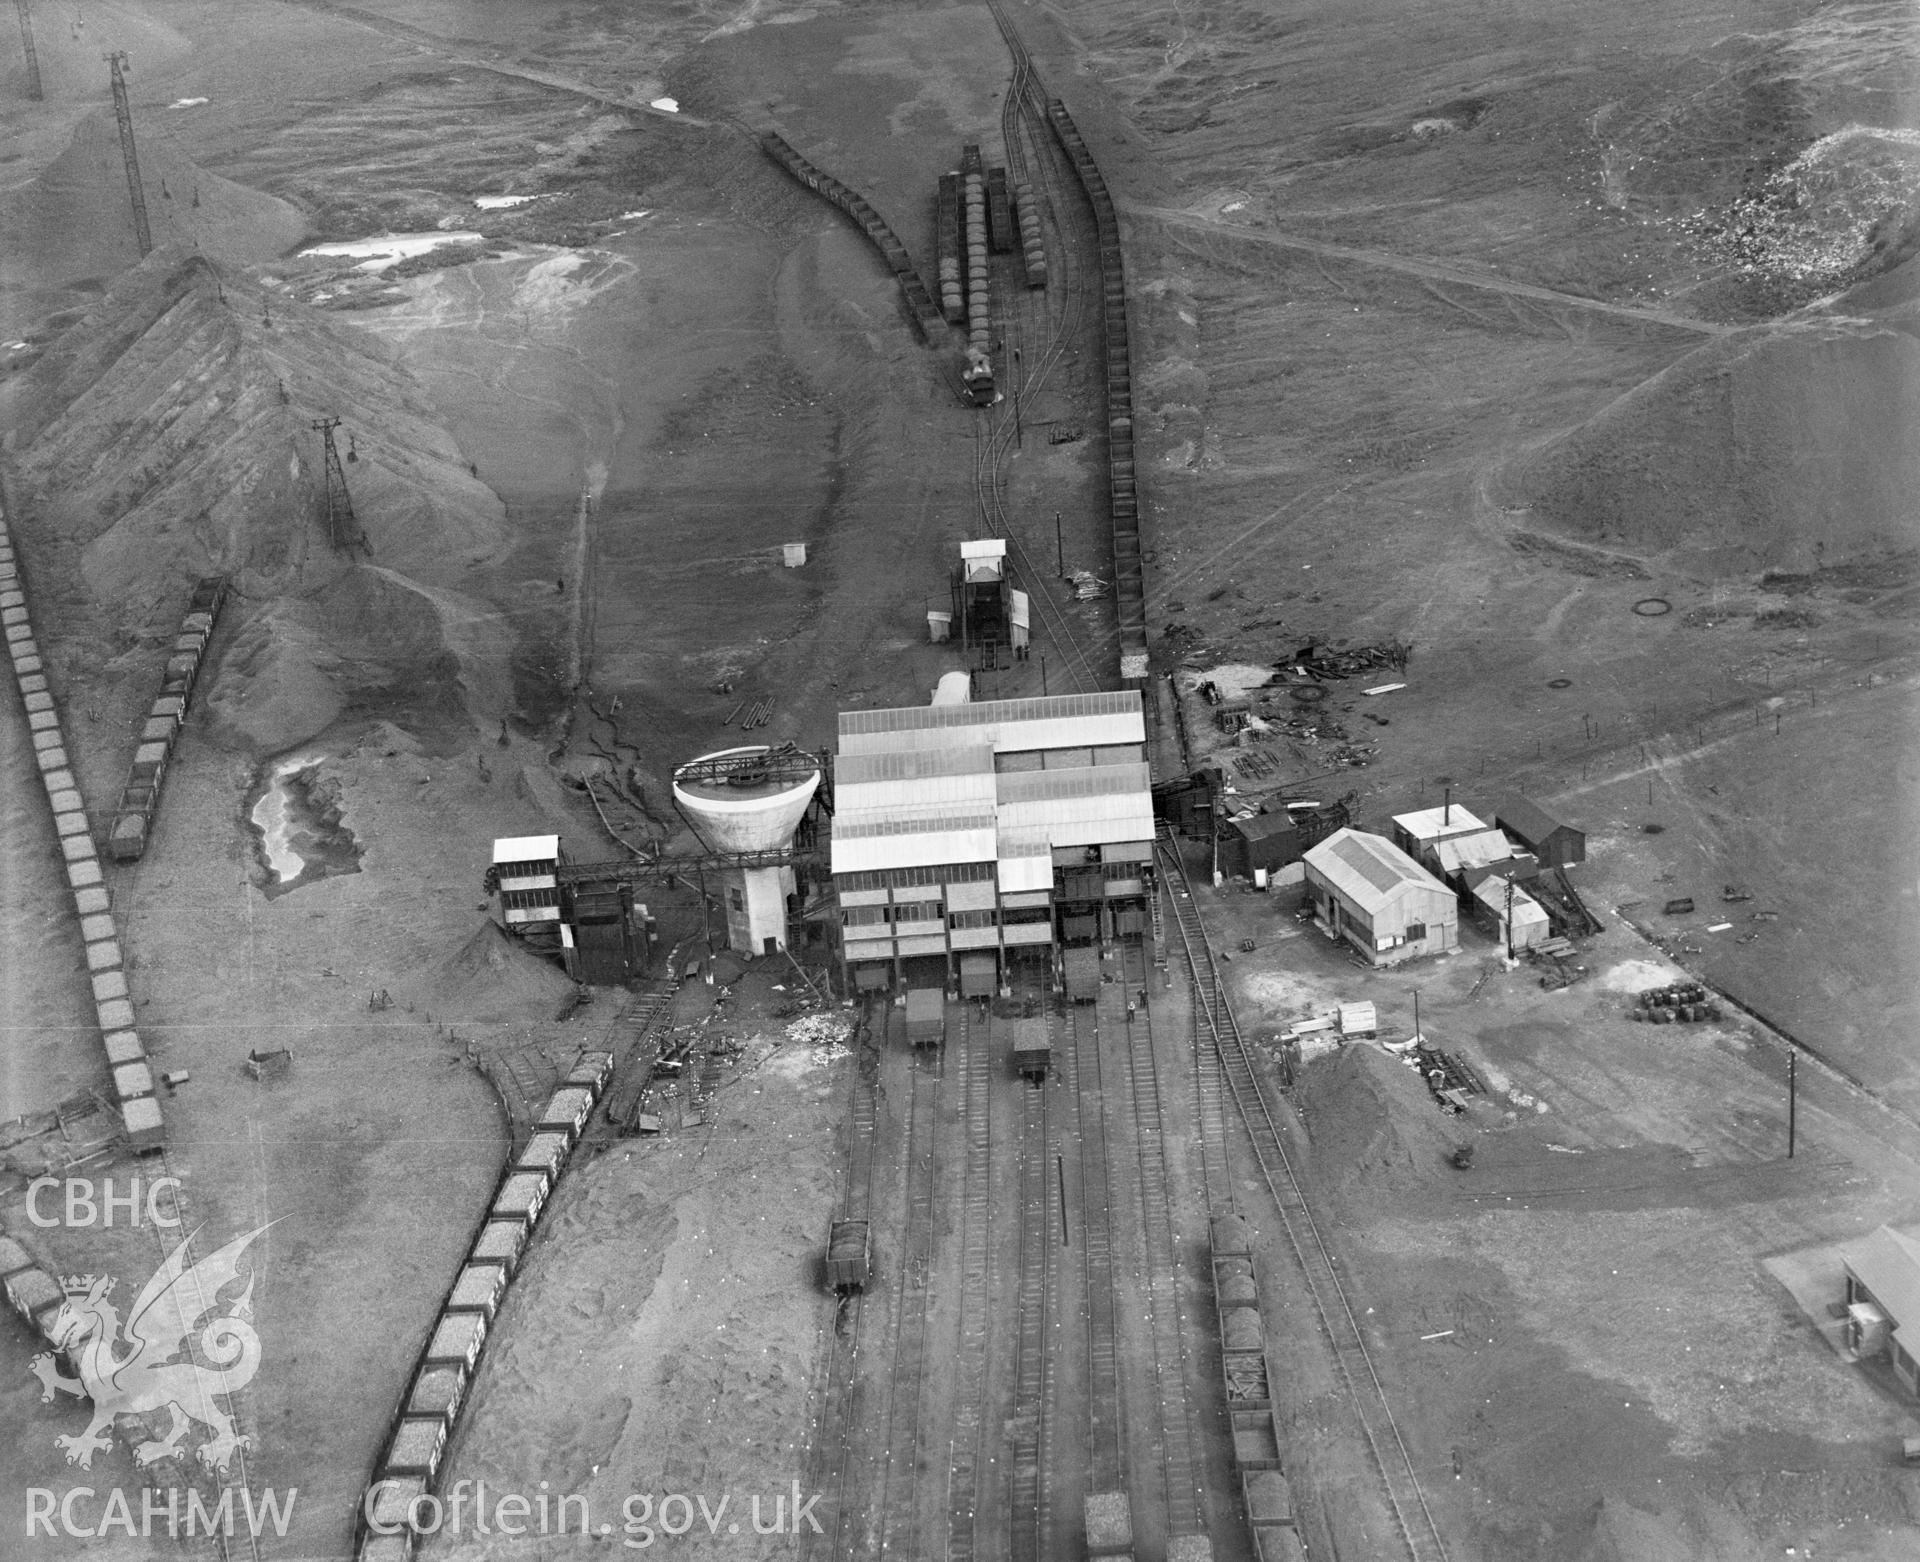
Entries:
{"x":166,"y":1364}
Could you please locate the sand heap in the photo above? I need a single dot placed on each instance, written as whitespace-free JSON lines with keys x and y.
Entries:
{"x":1371,"y":1122}
{"x":74,"y":221}
{"x":169,"y":435}
{"x":492,"y":979}
{"x":1786,"y":447}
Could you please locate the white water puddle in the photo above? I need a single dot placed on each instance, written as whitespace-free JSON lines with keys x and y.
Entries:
{"x":500,"y":203}
{"x":273,"y":818}
{"x":188,"y":102}
{"x":302,"y":834}
{"x":391,"y":248}
{"x":666,"y":105}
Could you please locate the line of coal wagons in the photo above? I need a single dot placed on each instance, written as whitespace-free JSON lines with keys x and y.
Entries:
{"x":1249,"y":1385}
{"x":409,"y":1465}
{"x":31,"y":1292}
{"x":140,"y":798}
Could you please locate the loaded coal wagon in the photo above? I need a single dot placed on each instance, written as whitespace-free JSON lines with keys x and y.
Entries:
{"x":849,"y":1255}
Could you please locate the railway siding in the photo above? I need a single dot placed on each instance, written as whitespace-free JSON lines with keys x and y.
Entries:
{"x":166,"y":718}
{"x":422,"y":1427}
{"x":127,"y":1061}
{"x":1340,"y":1332}
{"x":926,"y":314}
{"x":1123,"y":494}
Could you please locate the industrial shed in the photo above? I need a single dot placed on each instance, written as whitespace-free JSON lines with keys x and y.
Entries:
{"x":972,"y":838}
{"x":1420,"y":834}
{"x":1883,"y":1300}
{"x":1277,"y":841}
{"x":1498,"y":902}
{"x":1371,"y":894}
{"x":1556,"y":844}
{"x":1259,"y":841}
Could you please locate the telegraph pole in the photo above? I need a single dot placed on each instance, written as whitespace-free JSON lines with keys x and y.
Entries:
{"x":118,"y":60}
{"x":34,"y":89}
{"x":1793,"y":1100}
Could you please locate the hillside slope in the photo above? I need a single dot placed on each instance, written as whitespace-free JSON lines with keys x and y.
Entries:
{"x":1787,"y":447}
{"x":169,"y":435}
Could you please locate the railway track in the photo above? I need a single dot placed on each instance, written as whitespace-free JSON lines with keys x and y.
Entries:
{"x":925,"y":313}
{"x":1036,"y":329}
{"x":836,"y":1428}
{"x":1106,"y":1447}
{"x":1173,"y":1432}
{"x":179,"y":1470}
{"x":1031,"y":1511}
{"x":1416,"y":1529}
{"x":970,"y":1362}
{"x":898,"y":1528}
{"x":1210,"y":1093}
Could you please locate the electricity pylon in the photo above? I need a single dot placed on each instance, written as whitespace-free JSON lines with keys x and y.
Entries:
{"x":25,"y":8}
{"x":343,"y":528}
{"x":118,"y":60}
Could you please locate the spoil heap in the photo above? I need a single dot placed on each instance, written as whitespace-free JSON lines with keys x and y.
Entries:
{"x":1788,"y":447}
{"x":73,"y":221}
{"x":168,"y":435}
{"x":1372,"y":1125}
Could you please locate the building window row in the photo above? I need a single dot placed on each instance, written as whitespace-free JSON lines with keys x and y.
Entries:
{"x":914,"y":878}
{"x":871,"y":916}
{"x":528,"y":899}
{"x":1007,"y":762}
{"x":973,"y":919}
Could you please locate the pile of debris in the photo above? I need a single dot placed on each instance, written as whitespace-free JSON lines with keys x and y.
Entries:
{"x":1450,"y":1080}
{"x":1685,"y":1002}
{"x":1323,"y":663}
{"x":1087,"y":586}
{"x":819,"y":1030}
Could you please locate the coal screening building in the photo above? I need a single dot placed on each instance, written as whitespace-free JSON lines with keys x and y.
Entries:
{"x":977,"y":844}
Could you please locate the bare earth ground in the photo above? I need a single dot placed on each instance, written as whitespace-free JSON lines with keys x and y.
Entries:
{"x":1382,"y":371}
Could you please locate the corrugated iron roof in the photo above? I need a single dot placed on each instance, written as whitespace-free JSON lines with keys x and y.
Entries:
{"x":1528,"y":820}
{"x":1427,"y":824}
{"x":1492,"y":893}
{"x":1258,"y":827}
{"x":1887,"y":1263}
{"x":1075,"y":718}
{"x":1472,"y":851}
{"x":1032,"y":786}
{"x":527,"y":848}
{"x":911,"y":764}
{"x":1025,"y":862}
{"x":871,"y":823}
{"x":1084,"y":821}
{"x":1368,"y":868}
{"x":915,"y":844}
{"x":952,"y":794}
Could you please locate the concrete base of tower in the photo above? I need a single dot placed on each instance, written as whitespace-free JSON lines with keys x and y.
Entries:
{"x":756,"y":902}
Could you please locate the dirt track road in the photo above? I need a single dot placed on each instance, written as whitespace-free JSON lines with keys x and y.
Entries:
{"x":449,"y":48}
{"x":1416,"y":266}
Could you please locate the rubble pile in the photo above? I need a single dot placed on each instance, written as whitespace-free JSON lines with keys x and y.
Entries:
{"x":819,"y":1030}
{"x":1324,"y":663}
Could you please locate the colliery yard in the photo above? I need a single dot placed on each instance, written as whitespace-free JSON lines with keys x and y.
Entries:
{"x":1094,"y":1108}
